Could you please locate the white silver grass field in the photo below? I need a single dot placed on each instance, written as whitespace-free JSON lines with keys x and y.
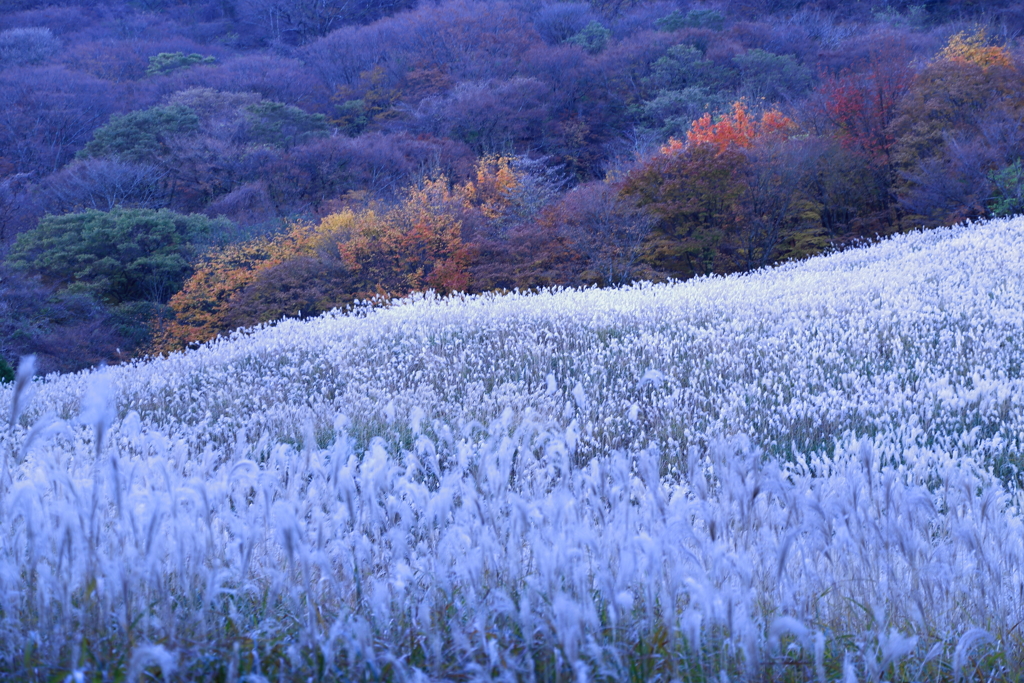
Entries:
{"x":808,"y":473}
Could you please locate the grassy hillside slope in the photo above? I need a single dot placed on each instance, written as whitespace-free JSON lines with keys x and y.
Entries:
{"x":808,"y":472}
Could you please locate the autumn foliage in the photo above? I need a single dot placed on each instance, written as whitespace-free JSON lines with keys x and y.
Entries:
{"x":737,"y":129}
{"x":862,"y":102}
{"x":476,"y":145}
{"x":415,"y":246}
{"x":368,"y":253}
{"x":975,"y":49}
{"x":957,"y":134}
{"x":204,"y":302}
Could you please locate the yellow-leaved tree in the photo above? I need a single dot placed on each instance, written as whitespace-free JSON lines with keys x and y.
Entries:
{"x":204,"y":302}
{"x":368,"y":253}
{"x":416,"y":245}
{"x":975,"y":48}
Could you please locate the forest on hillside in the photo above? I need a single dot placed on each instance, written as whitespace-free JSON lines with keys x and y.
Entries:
{"x":173,"y":169}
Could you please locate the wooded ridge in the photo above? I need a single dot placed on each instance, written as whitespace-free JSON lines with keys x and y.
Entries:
{"x":173,"y":169}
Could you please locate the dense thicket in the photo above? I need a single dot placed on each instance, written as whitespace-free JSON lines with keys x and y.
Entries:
{"x":493,"y":145}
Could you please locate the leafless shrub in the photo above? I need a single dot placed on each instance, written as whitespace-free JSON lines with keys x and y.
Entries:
{"x":19,"y":46}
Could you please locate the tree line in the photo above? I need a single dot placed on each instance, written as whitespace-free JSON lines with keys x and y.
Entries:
{"x":172,"y":169}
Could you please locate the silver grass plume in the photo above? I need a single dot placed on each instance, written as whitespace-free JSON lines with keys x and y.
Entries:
{"x":22,"y":383}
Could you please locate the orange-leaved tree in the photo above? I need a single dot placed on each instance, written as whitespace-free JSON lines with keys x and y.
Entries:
{"x":506,"y":191}
{"x":736,"y":129}
{"x":422,"y":243}
{"x":202,"y":306}
{"x":695,"y":192}
{"x":721,"y":205}
{"x":351,"y":254}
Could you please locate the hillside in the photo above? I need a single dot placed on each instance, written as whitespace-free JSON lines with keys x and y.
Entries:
{"x":172,"y":170}
{"x":803,"y":472}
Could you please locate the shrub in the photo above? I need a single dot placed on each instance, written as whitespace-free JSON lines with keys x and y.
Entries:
{"x":65,"y":331}
{"x":1009,"y":196}
{"x":604,"y":227}
{"x":19,"y":46}
{"x":200,"y":308}
{"x":415,"y":245}
{"x":695,"y":18}
{"x":560,"y":21}
{"x":166,"y":62}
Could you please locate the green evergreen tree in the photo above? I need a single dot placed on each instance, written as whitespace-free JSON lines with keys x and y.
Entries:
{"x":593,"y":38}
{"x":6,"y":371}
{"x":166,"y":62}
{"x":140,"y":136}
{"x":117,"y":256}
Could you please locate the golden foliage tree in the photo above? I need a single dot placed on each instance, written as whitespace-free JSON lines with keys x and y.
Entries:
{"x":975,"y":49}
{"x":203,"y":303}
{"x":415,"y":245}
